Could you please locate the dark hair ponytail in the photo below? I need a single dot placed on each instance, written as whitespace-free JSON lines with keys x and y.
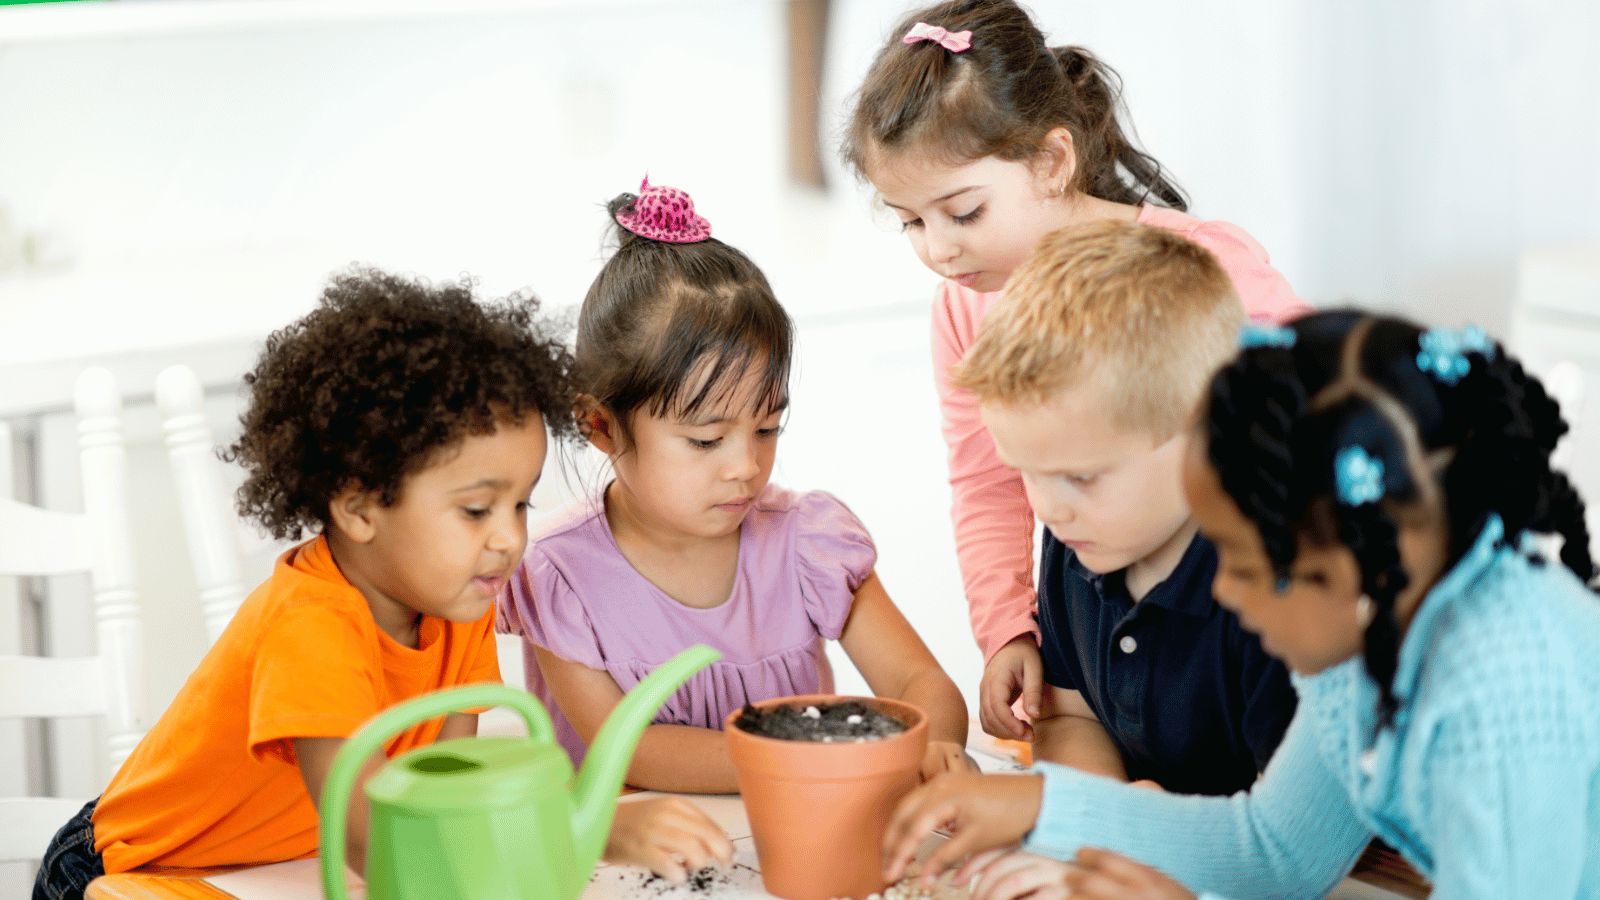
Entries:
{"x":658,"y":311}
{"x":1000,"y":97}
{"x":616,"y":206}
{"x":1255,"y":402}
{"x":1276,"y":418}
{"x":1374,"y":540}
{"x":1505,"y":458}
{"x":1113,"y":165}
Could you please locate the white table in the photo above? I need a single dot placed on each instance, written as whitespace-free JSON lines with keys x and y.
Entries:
{"x":302,"y":878}
{"x":741,"y":881}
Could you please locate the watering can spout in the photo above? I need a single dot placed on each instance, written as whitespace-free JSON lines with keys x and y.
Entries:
{"x":606,"y":764}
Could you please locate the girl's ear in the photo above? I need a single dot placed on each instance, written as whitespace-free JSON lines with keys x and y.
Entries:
{"x":597,"y":424}
{"x":351,"y":511}
{"x":1059,"y":163}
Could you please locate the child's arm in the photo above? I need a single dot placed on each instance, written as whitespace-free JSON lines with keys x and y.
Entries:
{"x":988,"y":507}
{"x":315,"y":756}
{"x":458,"y":725}
{"x":1015,"y":671}
{"x":678,"y":758}
{"x":1293,"y":834}
{"x":896,"y":664}
{"x":1068,"y":732}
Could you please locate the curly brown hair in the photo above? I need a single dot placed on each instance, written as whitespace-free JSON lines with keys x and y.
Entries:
{"x":385,"y":373}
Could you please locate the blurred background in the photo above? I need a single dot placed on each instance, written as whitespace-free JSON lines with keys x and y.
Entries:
{"x":177,"y":179}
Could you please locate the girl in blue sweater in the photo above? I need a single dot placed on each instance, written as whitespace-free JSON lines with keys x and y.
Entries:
{"x":1383,"y":505}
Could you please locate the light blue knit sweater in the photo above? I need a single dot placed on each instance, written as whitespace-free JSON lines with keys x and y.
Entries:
{"x":1488,"y":783}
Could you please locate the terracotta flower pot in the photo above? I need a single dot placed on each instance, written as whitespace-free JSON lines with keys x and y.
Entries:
{"x":818,"y":810}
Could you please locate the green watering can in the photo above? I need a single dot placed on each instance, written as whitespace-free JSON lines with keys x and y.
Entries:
{"x":490,"y":816}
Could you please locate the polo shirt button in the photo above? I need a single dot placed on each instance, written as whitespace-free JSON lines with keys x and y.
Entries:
{"x":1128,"y":644}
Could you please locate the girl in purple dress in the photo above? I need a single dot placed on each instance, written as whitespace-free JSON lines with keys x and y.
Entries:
{"x":682,"y":362}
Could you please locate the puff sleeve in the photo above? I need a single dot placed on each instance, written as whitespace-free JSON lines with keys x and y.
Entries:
{"x":834,"y":555}
{"x":541,"y":605}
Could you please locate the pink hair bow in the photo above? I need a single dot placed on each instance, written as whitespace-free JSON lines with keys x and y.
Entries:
{"x":954,"y":41}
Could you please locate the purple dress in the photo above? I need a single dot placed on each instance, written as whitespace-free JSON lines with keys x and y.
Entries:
{"x":801,"y":558}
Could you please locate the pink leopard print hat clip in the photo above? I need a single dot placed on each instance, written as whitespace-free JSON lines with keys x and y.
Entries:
{"x":664,"y":214}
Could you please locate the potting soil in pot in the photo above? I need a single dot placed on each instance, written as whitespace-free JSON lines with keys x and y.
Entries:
{"x":828,"y":723}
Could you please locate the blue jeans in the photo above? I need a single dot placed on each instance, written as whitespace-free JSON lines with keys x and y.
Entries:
{"x":70,"y":862}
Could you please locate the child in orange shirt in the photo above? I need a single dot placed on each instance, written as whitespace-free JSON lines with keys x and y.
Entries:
{"x":404,"y":425}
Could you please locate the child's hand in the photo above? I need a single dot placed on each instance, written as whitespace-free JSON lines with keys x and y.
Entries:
{"x":1101,"y":873}
{"x":1015,"y":670}
{"x":984,"y":812}
{"x":945,"y":756}
{"x":669,"y":835}
{"x":1148,"y":785}
{"x":999,"y":875}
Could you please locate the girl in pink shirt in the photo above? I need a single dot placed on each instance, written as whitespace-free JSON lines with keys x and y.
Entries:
{"x":983,"y":139}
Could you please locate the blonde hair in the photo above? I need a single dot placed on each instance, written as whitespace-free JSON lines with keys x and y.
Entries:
{"x":1143,"y":314}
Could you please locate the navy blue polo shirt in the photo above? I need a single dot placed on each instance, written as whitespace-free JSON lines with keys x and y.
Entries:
{"x":1189,"y":696}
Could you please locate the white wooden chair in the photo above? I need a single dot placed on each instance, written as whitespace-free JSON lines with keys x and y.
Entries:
{"x":38,"y":542}
{"x":204,"y":503}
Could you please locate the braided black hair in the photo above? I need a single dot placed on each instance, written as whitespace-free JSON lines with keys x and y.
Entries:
{"x":1276,"y":416}
{"x":1372,"y":537}
{"x":1506,"y":458}
{"x":1253,"y":409}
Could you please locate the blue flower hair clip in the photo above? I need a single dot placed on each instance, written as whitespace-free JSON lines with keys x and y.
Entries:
{"x":1444,"y":351}
{"x":1358,"y":476}
{"x":1252,"y":336}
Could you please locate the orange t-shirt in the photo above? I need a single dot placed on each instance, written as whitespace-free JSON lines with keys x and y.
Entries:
{"x":215,"y":782}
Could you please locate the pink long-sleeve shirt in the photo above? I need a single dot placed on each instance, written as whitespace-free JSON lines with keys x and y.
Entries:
{"x":993,"y":521}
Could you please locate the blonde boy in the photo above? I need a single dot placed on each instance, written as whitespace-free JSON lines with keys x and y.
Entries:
{"x":1087,"y":373}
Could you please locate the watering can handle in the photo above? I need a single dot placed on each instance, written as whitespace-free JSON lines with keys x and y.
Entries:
{"x":347,"y":762}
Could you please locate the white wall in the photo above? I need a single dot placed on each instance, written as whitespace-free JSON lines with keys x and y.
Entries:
{"x":1400,"y":154}
{"x":1392,"y":154}
{"x":476,"y":141}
